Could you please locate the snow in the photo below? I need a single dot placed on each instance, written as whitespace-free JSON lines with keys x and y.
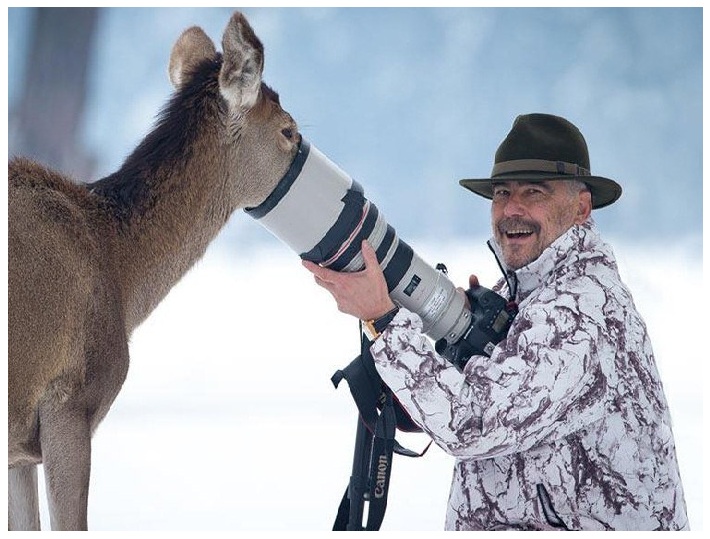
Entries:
{"x":228,"y":419}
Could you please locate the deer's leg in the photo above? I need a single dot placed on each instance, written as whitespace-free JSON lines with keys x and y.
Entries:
{"x":66,"y":453}
{"x":22,"y":498}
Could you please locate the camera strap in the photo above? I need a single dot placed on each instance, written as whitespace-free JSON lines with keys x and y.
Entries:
{"x":379,"y":417}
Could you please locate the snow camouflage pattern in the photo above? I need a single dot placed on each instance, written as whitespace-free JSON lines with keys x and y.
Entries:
{"x":566,"y":424}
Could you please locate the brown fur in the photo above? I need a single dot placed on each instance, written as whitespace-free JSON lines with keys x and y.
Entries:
{"x":89,"y":262}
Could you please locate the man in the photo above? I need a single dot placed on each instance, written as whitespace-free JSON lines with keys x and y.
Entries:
{"x":565,"y":425}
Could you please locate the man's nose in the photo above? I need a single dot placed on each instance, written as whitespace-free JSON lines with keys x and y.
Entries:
{"x":514,"y":206}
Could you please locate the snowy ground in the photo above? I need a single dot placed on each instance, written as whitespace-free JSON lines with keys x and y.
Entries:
{"x":228,"y":420}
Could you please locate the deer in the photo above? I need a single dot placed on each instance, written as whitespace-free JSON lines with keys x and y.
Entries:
{"x":88,"y":262}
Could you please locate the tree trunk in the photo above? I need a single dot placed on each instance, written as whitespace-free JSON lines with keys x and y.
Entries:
{"x":46,"y":122}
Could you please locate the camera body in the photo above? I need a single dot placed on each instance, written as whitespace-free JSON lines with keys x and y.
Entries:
{"x":491,"y":317}
{"x":323,"y":215}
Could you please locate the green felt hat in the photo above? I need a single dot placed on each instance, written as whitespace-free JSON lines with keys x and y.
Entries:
{"x":543,"y":147}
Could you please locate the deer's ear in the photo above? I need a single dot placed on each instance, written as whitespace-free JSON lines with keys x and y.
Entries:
{"x":243,"y":64}
{"x":191,"y":48}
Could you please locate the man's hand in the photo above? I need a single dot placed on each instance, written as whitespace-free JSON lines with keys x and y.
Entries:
{"x":472,"y":283}
{"x":362,"y":294}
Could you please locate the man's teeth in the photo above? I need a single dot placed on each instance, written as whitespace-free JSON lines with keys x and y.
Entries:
{"x":520,"y":232}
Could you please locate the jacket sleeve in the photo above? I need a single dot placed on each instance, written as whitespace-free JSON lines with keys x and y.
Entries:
{"x":543,"y":382}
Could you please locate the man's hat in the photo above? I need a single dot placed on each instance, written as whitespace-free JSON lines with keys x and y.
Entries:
{"x":543,"y":147}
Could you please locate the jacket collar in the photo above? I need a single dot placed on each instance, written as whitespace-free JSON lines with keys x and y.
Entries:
{"x":554,"y":259}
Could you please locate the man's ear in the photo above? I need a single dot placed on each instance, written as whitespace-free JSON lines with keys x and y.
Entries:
{"x":584,"y":207}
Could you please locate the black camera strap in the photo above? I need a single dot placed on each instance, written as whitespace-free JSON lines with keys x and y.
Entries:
{"x":379,"y":417}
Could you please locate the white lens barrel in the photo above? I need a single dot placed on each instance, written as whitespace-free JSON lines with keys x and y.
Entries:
{"x":312,"y":203}
{"x":435,"y":299}
{"x":322,"y":214}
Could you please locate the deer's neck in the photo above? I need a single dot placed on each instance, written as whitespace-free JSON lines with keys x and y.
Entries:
{"x":168,"y":200}
{"x":155,"y":250}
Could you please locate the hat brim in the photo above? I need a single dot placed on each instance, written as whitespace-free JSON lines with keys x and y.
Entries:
{"x":604,"y":191}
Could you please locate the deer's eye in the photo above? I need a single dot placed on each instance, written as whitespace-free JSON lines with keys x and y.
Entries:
{"x":287,"y":132}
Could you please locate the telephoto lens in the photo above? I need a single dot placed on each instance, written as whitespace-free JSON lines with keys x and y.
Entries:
{"x":322,"y":214}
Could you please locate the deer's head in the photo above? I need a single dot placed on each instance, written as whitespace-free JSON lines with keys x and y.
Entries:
{"x":252,"y":139}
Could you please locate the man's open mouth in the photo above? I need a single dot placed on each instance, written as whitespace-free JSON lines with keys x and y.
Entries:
{"x":516,"y":229}
{"x":519,"y":233}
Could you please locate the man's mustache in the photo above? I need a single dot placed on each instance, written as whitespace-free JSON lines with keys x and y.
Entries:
{"x":513,"y":224}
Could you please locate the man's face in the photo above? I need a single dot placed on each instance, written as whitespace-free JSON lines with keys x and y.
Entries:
{"x":528,"y":216}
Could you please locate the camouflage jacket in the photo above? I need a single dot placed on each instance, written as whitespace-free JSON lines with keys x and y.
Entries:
{"x":566,"y":424}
